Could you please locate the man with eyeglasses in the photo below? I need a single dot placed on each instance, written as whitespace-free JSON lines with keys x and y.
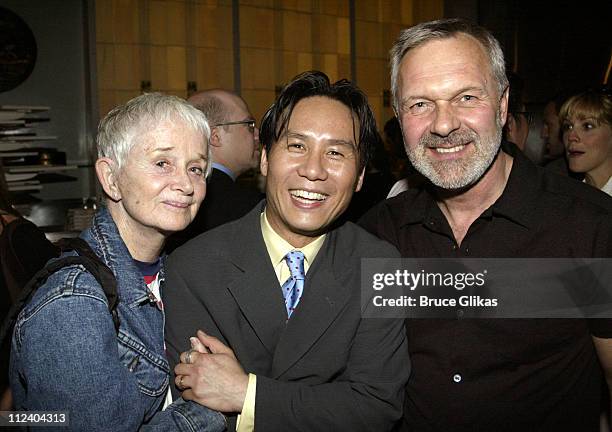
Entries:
{"x":234,"y":145}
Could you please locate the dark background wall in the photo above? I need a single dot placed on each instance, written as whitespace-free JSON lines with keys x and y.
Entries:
{"x":553,"y":45}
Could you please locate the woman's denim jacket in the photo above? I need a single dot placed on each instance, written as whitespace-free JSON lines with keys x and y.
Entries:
{"x":67,"y":356}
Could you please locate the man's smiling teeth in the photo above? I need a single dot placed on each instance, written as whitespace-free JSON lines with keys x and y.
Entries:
{"x":297,"y":193}
{"x":449,"y":149}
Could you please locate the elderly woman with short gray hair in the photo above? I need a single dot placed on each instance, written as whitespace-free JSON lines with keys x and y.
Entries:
{"x":67,"y":354}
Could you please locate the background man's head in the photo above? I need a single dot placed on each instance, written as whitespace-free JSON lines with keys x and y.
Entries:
{"x":516,"y":129}
{"x":551,"y":127}
{"x":317,"y":138}
{"x":234,"y":136}
{"x":450,"y":95}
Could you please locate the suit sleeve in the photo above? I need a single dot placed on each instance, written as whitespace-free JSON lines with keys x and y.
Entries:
{"x":185,"y":314}
{"x":367,"y":397}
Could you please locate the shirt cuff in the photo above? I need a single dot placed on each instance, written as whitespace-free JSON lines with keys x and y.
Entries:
{"x":246,"y":419}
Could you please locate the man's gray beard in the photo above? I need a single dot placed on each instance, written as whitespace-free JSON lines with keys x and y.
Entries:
{"x":459,"y":173}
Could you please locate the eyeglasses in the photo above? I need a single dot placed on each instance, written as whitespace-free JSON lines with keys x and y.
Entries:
{"x":528,"y":116}
{"x":250,"y":124}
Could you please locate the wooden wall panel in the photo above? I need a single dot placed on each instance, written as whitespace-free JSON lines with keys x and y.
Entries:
{"x":304,"y":63}
{"x":259,"y":101}
{"x":127,"y":66}
{"x":106,"y":100}
{"x":378,"y":24}
{"x":126,"y":21}
{"x":212,"y":26}
{"x":177,"y":68}
{"x":104,"y":21}
{"x":344,"y":36}
{"x":255,"y":66}
{"x":256,"y":27}
{"x":332,"y":7}
{"x":105,"y":59}
{"x":175,"y":16}
{"x":159,"y":67}
{"x":158,"y":24}
{"x":296,"y":31}
{"x":161,"y":45}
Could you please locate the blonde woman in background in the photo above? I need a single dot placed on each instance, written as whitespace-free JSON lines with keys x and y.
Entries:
{"x":586,"y":120}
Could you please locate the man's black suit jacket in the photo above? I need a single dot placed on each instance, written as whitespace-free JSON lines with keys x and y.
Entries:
{"x":325,"y":369}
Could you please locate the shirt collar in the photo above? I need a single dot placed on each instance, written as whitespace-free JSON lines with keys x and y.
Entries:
{"x":224,"y":169}
{"x":607,"y":188}
{"x":278,"y":247}
{"x":148,"y":269}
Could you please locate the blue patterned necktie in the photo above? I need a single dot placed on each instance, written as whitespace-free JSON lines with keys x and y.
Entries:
{"x":294,"y":286}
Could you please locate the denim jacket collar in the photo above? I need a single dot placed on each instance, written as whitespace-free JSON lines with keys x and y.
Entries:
{"x":103,"y":236}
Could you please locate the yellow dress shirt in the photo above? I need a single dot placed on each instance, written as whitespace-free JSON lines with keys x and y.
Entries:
{"x":277,"y":249}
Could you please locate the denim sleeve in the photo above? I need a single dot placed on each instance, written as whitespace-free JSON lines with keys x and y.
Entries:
{"x":65,"y":358}
{"x":186,"y":416}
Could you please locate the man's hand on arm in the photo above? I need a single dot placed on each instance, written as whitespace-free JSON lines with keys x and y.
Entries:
{"x":214,"y":379}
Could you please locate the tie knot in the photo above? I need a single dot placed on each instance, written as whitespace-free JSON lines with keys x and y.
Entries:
{"x":295,"y":262}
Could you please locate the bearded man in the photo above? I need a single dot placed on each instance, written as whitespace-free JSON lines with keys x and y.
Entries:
{"x":485,"y":199}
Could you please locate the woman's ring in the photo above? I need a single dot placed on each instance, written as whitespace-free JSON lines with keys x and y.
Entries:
{"x":181,"y":381}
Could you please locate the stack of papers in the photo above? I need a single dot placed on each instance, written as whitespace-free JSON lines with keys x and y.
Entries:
{"x":21,"y":147}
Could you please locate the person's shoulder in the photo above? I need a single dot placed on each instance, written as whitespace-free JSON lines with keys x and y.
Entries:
{"x":67,"y":284}
{"x":558,"y":166}
{"x":248,"y":196}
{"x":212,"y":243}
{"x":17,"y":227}
{"x":392,"y":212}
{"x":572,"y":192}
{"x":398,"y":203}
{"x":357,"y":241}
{"x":227,"y":200}
{"x":25,"y":232}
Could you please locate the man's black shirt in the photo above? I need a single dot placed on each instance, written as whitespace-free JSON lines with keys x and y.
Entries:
{"x":502,"y":374}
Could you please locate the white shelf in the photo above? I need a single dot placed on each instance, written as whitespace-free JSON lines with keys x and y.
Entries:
{"x":24,"y":108}
{"x":39,"y":168}
{"x":23,"y":188}
{"x":16,"y":138}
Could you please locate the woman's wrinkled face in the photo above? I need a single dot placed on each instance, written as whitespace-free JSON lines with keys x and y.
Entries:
{"x":162,"y":183}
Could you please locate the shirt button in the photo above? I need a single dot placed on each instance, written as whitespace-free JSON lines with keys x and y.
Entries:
{"x":457,"y":378}
{"x":454,"y":247}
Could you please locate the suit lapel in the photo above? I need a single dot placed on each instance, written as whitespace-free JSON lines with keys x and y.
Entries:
{"x":256,"y":290}
{"x":323,"y":299}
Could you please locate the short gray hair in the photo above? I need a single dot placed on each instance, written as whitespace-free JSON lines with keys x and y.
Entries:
{"x":118,"y":128}
{"x":443,"y":29}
